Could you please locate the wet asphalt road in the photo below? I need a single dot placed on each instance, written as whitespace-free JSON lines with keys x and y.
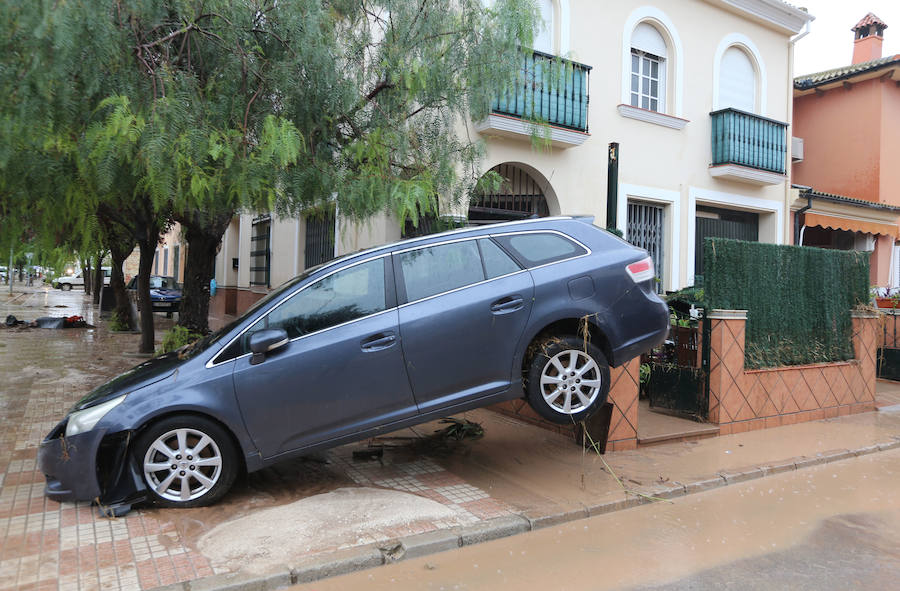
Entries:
{"x":834,"y":526}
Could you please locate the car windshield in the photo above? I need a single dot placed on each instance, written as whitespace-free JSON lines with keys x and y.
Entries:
{"x":162,"y":283}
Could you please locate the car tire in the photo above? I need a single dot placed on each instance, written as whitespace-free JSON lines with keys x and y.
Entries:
{"x":186,"y":475}
{"x":65,"y":286}
{"x":567,"y":379}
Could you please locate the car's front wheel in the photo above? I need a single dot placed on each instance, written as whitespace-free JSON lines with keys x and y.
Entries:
{"x":567,"y":380}
{"x":187,"y":461}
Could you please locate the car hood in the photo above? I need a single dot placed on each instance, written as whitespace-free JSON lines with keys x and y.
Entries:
{"x":147,"y":373}
{"x":166,"y":293}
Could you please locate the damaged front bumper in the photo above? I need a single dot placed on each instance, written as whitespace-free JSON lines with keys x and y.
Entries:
{"x":92,"y":466}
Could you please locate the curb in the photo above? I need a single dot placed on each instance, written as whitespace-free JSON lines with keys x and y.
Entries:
{"x":415,"y":546}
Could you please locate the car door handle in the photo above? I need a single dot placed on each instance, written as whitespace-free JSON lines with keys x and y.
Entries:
{"x":507,"y":305}
{"x":379,"y":341}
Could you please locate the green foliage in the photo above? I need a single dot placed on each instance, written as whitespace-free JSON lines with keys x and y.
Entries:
{"x":691,"y":295}
{"x":118,"y":324}
{"x":644,"y":373}
{"x":798,"y":299}
{"x":177,"y":338}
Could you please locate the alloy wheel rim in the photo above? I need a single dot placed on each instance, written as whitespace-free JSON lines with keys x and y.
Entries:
{"x":182,"y":464}
{"x":570,"y":382}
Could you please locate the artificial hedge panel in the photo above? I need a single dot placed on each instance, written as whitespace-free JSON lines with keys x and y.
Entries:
{"x":798,"y":299}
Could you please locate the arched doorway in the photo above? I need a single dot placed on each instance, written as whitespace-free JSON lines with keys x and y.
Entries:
{"x":520,"y":196}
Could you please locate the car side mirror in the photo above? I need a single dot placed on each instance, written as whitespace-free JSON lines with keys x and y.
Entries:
{"x":265,"y":341}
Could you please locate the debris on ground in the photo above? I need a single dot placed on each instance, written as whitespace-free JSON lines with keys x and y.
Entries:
{"x":47,"y":322}
{"x":369,"y":453}
{"x":460,"y":429}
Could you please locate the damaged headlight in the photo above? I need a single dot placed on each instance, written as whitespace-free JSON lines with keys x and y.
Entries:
{"x":84,"y":420}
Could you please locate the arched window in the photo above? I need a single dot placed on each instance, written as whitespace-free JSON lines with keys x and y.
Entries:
{"x":739,"y":75}
{"x":520,"y":196}
{"x":652,"y":68}
{"x":737,"y":81}
{"x":649,"y":54}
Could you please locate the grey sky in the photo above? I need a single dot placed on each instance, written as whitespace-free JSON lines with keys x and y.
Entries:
{"x":830,"y":42}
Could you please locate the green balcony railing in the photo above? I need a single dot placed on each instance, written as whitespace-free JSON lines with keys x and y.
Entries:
{"x":550,"y":89}
{"x":749,"y":140}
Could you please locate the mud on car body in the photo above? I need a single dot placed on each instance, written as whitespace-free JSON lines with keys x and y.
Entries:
{"x":366,"y":344}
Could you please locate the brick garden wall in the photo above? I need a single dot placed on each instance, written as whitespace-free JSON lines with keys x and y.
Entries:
{"x":623,"y":393}
{"x":743,"y":400}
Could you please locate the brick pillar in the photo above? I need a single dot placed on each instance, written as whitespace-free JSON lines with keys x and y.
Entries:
{"x":865,"y":334}
{"x":726,"y":363}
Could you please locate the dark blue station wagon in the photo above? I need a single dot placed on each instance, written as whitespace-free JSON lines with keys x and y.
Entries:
{"x":367,"y":344}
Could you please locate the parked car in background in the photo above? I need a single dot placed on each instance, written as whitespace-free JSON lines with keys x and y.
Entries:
{"x":67,"y":282}
{"x":165,"y":294}
{"x":366,"y":344}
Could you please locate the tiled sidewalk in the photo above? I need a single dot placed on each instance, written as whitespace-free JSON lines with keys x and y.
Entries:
{"x":47,"y":545}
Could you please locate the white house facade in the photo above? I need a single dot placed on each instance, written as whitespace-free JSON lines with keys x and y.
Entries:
{"x":670,"y":121}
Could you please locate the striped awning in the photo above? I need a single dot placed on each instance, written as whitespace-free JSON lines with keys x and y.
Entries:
{"x":849,"y":224}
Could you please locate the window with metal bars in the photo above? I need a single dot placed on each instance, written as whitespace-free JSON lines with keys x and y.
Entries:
{"x":260,"y":252}
{"x":319,"y":238}
{"x":645,"y":227}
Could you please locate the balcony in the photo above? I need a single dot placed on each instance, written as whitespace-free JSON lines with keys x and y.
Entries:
{"x":549,"y":90}
{"x":748,"y":148}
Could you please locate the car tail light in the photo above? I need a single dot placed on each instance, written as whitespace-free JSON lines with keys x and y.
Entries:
{"x":641,"y":270}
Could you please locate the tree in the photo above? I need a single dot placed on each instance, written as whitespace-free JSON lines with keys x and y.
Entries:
{"x":194,"y":110}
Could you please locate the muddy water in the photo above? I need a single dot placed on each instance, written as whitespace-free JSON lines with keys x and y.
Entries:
{"x":725,"y":529}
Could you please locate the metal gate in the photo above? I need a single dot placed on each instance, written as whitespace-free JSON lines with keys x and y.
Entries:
{"x":644,"y":229}
{"x":723,"y":223}
{"x":319,"y":238}
{"x":519,"y":197}
{"x":889,"y":352}
{"x":678,"y":380}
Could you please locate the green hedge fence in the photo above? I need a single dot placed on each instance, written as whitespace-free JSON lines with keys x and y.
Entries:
{"x":798,"y":299}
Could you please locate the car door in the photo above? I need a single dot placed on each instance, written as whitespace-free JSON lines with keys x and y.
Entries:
{"x":342,"y":371}
{"x":464,"y":308}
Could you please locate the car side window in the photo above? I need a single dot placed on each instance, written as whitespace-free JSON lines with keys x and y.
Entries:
{"x":343,"y":296}
{"x":437,"y":269}
{"x":540,"y":248}
{"x":496,"y":262}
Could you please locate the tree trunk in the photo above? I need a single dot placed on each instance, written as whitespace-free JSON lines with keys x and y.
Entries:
{"x":98,"y":278}
{"x":120,"y":242}
{"x":86,"y":274}
{"x":142,"y":225}
{"x":203,"y":232}
{"x":147,"y":248}
{"x":119,"y":252}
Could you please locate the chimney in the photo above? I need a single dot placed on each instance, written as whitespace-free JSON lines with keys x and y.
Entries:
{"x":868,"y":35}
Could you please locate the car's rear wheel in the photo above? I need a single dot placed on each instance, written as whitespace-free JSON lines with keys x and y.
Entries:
{"x":187,"y":461}
{"x":66,"y":286}
{"x":567,"y":380}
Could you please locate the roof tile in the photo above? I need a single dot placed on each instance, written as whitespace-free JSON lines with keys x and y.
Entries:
{"x":813,"y":80}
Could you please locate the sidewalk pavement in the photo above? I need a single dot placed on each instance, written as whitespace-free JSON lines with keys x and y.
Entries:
{"x":308,"y":518}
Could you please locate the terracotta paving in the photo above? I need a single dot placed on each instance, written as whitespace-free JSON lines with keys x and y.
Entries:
{"x":68,"y":546}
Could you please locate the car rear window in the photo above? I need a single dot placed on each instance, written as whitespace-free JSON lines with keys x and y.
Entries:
{"x":539,"y":248}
